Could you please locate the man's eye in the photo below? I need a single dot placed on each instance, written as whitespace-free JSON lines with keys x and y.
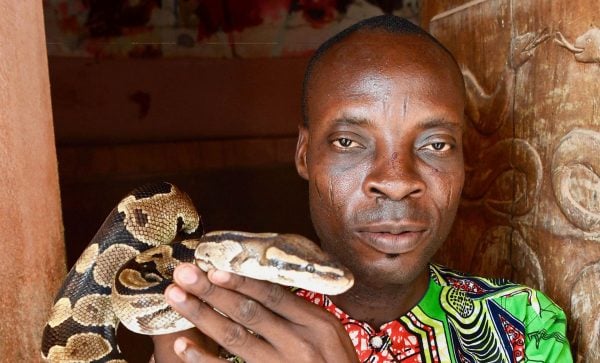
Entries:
{"x":439,"y":146}
{"x":344,"y":143}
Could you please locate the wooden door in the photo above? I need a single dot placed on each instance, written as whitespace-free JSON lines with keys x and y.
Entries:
{"x":531,"y":204}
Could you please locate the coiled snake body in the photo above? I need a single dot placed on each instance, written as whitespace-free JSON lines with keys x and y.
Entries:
{"x":123,"y":272}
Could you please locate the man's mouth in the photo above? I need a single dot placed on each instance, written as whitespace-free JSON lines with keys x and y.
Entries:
{"x":392,"y":238}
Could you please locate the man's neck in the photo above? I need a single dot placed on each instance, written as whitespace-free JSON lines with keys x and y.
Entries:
{"x":378,"y":305}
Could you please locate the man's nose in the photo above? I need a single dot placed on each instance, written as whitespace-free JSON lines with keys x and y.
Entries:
{"x":394,"y":176}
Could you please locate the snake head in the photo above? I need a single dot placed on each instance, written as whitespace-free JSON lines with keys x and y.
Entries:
{"x":285,"y":259}
{"x":307,"y":266}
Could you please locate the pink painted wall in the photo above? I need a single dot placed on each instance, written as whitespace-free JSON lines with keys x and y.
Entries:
{"x":32,"y":256}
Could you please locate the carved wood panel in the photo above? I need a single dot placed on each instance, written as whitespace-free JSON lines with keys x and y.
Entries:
{"x":531,"y":202}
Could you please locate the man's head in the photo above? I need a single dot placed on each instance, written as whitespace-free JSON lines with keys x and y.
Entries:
{"x":386,"y":23}
{"x":382,"y":148}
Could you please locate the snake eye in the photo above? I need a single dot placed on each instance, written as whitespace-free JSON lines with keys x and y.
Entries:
{"x":310,"y":268}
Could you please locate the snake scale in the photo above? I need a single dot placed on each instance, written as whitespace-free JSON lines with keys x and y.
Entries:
{"x":122,"y":274}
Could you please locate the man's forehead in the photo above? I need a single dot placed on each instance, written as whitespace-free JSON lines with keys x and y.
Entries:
{"x":382,"y":47}
{"x":373,"y":64}
{"x":373,"y":57}
{"x":366,"y":64}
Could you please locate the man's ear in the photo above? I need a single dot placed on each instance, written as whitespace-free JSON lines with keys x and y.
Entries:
{"x":301,"y":150}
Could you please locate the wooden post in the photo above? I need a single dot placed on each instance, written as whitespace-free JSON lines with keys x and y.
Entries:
{"x":31,"y":241}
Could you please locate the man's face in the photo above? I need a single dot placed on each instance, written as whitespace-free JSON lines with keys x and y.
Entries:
{"x":383,"y":153}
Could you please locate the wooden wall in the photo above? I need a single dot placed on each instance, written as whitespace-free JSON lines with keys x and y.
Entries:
{"x":223,"y":129}
{"x":531,"y":203}
{"x":32,"y":257}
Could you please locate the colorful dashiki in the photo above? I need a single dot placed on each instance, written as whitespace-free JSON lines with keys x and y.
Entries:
{"x":463,"y":319}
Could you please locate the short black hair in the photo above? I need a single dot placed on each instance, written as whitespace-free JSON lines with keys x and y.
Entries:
{"x":388,"y":23}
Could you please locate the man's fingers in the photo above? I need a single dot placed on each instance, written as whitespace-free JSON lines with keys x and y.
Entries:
{"x":234,"y":304}
{"x":283,"y":321}
{"x":243,"y":309}
{"x":227,"y":333}
{"x":289,"y":308}
{"x":163,"y":344}
{"x":269,"y":294}
{"x":189,"y":352}
{"x":272,"y":296}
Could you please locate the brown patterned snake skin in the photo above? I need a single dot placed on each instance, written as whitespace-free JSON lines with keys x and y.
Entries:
{"x":123,"y":272}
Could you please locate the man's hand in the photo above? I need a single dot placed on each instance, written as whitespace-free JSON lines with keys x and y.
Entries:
{"x":289,"y":327}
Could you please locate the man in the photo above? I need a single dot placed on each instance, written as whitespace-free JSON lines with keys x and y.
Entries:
{"x":381,"y":148}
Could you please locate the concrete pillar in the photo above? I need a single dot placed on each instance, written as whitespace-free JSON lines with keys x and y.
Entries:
{"x":31,"y":242}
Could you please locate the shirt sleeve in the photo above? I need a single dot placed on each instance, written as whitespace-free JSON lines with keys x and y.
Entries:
{"x":545,"y":331}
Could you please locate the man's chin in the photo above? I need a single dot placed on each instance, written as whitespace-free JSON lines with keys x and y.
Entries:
{"x":390,"y":269}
